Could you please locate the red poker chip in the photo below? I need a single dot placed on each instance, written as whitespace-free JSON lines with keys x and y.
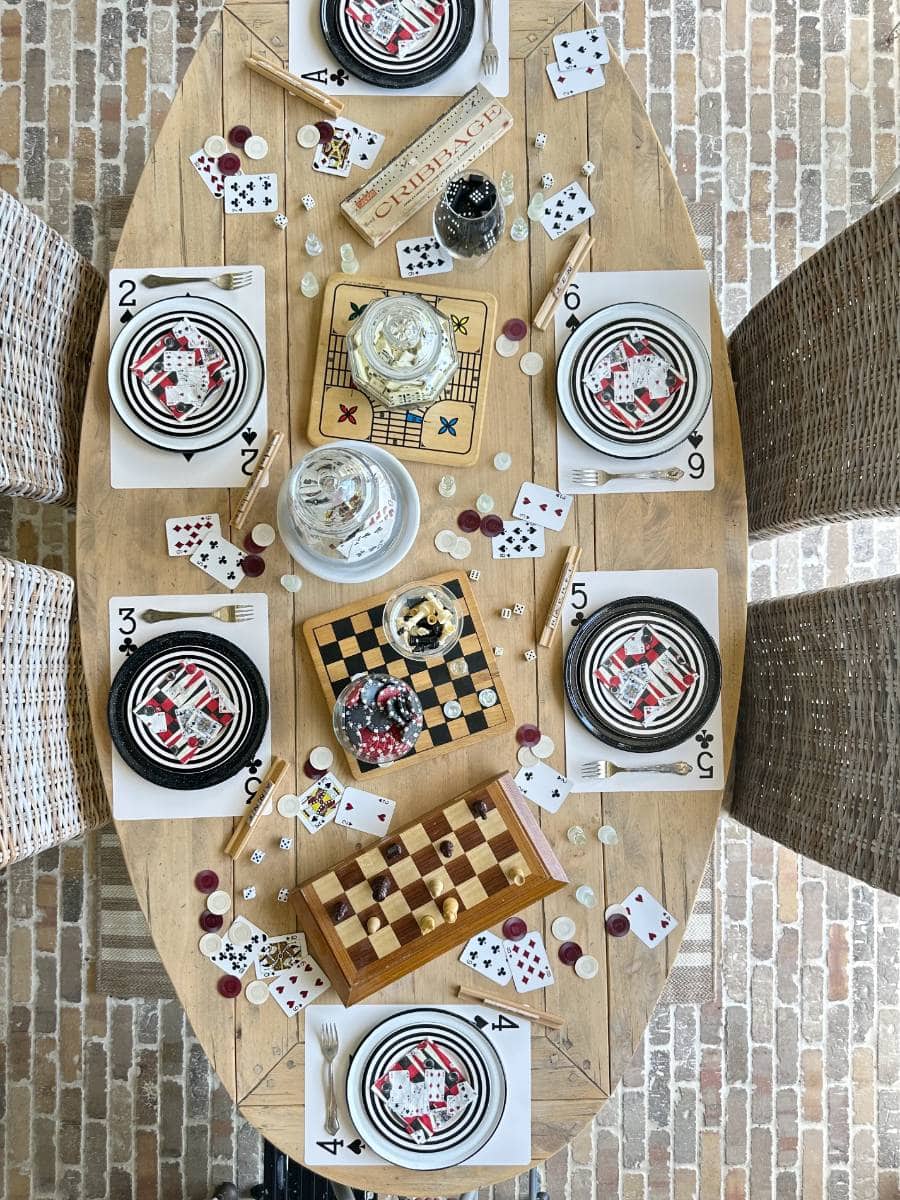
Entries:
{"x":229,"y":986}
{"x":514,"y":928}
{"x":515,"y":329}
{"x":528,"y":735}
{"x":229,"y":164}
{"x":617,"y":924}
{"x":210,"y":922}
{"x":569,"y":953}
{"x":468,"y":520}
{"x":238,"y":134}
{"x":491,"y":525}
{"x":326,"y":132}
{"x":206,"y":882}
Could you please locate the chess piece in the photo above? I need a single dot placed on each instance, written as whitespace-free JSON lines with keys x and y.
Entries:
{"x":381,"y":888}
{"x":480,"y":809}
{"x":516,"y":876}
{"x":436,"y":887}
{"x":340,"y":911}
{"x":427,"y":923}
{"x":373,"y":925}
{"x":450,"y":909}
{"x":446,"y":848}
{"x":393,"y":851}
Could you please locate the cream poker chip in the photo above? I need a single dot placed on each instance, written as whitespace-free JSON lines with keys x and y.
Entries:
{"x":505,"y":346}
{"x":544,"y":748}
{"x":531,"y":363}
{"x":445,"y":540}
{"x":215,"y":145}
{"x":288,"y":805}
{"x":525,"y":757}
{"x":307,"y":136}
{"x":586,"y":967}
{"x":321,"y":758}
{"x":240,"y":932}
{"x":562,"y":928}
{"x":256,"y":147}
{"x":257,"y":991}
{"x":218,"y":902}
{"x":210,"y":944}
{"x":462,"y":548}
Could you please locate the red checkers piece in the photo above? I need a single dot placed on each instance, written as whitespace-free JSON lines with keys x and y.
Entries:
{"x":491,"y":525}
{"x":468,"y":520}
{"x":229,"y":986}
{"x":569,"y":953}
{"x":514,"y":928}
{"x":326,"y":131}
{"x":528,"y":735}
{"x":617,"y":924}
{"x":310,"y":771}
{"x":210,"y":922}
{"x":515,"y":329}
{"x":253,"y":565}
{"x":206,"y":882}
{"x":228,"y":164}
{"x":238,"y":134}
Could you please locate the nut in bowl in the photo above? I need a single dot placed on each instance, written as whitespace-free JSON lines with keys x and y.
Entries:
{"x":422,"y":621}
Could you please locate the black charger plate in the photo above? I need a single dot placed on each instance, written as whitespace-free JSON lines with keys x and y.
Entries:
{"x":236,"y":676}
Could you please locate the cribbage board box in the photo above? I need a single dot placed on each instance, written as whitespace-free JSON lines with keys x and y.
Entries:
{"x":489,"y":852}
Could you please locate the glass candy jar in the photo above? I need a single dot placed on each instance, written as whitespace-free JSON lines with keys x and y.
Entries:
{"x":402,"y":352}
{"x":377,"y":718}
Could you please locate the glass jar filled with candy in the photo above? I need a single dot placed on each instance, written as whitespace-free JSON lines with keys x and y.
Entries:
{"x":377,"y":718}
{"x":402,"y":352}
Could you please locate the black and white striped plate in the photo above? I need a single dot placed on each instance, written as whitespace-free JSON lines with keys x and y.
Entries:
{"x":674,"y":340}
{"x":441,"y":30}
{"x":637,"y":650}
{"x":384,"y":1132}
{"x":148,"y":670}
{"x":226,"y":411}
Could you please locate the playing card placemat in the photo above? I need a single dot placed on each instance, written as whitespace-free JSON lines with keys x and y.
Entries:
{"x":510,"y":1036}
{"x":698,"y":592}
{"x":449,"y":432}
{"x":684,"y":293}
{"x":135,"y":463}
{"x":135,"y":798}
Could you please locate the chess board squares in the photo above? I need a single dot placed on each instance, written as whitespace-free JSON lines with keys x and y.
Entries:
{"x":436,"y":828}
{"x":350,"y":874}
{"x":329,"y":888}
{"x":472,"y":892}
{"x":426,"y":860}
{"x":415,"y":838}
{"x":460,"y":869}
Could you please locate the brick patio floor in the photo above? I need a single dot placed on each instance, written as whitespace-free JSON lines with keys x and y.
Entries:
{"x":784,"y":113}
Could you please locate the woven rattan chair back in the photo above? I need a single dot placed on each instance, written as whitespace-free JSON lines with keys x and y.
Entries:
{"x":50,"y":300}
{"x":816,"y":368}
{"x":50,"y":783}
{"x":817,"y":754}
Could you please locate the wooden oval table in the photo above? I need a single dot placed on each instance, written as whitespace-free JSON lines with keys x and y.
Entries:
{"x":641,"y":222}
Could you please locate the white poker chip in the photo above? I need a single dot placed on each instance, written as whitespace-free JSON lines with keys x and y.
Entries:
{"x":307,"y":136}
{"x":288,"y":806}
{"x":563,"y":928}
{"x":461,"y":549}
{"x":215,"y":145}
{"x":586,"y":967}
{"x":544,"y":748}
{"x":505,"y":346}
{"x":502,"y":461}
{"x":526,"y":757}
{"x":257,"y":991}
{"x":321,"y":758}
{"x":452,"y":710}
{"x":218,"y":902}
{"x":531,"y":363}
{"x":210,"y":944}
{"x":240,"y":932}
{"x":445,"y":540}
{"x":256,"y":146}
{"x":485,"y":503}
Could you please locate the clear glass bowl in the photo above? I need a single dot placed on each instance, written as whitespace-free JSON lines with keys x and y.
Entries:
{"x":422,"y":621}
{"x":377,"y":718}
{"x":402,"y":352}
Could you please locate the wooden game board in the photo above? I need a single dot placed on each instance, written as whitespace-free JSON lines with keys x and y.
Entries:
{"x":350,"y":639}
{"x":449,"y":432}
{"x":485,"y":849}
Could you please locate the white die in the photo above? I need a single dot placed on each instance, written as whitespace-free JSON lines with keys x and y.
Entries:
{"x":283,"y":895}
{"x":257,"y":856}
{"x":250,"y":893}
{"x":474,"y":574}
{"x":280,"y":220}
{"x":540,"y":140}
{"x":546,"y":181}
{"x":587,"y":169}
{"x":505,"y":613}
{"x":519,"y":609}
{"x":530,"y":655}
{"x":285,"y":843}
{"x":308,"y":202}
{"x":497,"y":651}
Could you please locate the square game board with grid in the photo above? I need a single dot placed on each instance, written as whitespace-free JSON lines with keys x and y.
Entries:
{"x":350,"y":640}
{"x":499,"y":864}
{"x":449,"y":432}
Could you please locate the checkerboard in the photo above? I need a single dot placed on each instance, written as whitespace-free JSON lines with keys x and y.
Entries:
{"x":350,"y":640}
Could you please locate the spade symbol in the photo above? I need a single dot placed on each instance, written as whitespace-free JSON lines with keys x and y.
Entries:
{"x":249,"y":436}
{"x":695,"y":438}
{"x":356,"y":1146}
{"x":480,"y":1022}
{"x":126,"y":317}
{"x":188,"y":455}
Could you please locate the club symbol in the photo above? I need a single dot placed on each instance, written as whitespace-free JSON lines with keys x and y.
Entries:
{"x":339,"y":77}
{"x":127,"y":646}
{"x":705,"y":738}
{"x":577,"y":619}
{"x":347,"y":414}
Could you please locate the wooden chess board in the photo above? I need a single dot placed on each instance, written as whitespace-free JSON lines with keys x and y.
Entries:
{"x":486,"y":852}
{"x":449,"y":432}
{"x":349,"y":640}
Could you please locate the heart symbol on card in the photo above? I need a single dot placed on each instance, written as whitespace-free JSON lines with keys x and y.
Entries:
{"x":664,"y":924}
{"x":639,"y":898}
{"x":381,"y":817}
{"x":652,"y":937}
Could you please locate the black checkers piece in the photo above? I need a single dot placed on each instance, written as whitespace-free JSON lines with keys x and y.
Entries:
{"x":480,"y":809}
{"x":445,"y":848}
{"x":393,"y":851}
{"x":340,"y":911}
{"x":381,"y":888}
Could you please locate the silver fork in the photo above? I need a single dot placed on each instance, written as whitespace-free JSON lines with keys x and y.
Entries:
{"x":230,"y":613}
{"x":230,"y":281}
{"x":605,"y":770}
{"x":328,"y":1040}
{"x":490,"y":59}
{"x":588,"y":478}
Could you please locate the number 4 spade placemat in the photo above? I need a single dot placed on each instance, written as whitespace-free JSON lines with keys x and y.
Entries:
{"x":449,"y":432}
{"x":350,"y":640}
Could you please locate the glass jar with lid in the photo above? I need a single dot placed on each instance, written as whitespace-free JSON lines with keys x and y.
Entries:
{"x":402,"y":352}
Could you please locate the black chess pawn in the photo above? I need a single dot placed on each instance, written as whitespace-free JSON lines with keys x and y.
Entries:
{"x":381,"y":888}
{"x":480,"y":809}
{"x":393,"y":851}
{"x":446,"y":848}
{"x":340,"y":911}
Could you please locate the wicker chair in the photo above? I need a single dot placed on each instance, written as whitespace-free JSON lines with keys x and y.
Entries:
{"x":50,"y":300}
{"x":817,"y":755}
{"x":817,"y":374}
{"x":50,"y":783}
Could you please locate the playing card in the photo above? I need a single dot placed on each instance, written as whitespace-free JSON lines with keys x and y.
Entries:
{"x":649,"y":920}
{"x":422,"y":256}
{"x":318,"y":804}
{"x":251,"y":193}
{"x":485,"y":954}
{"x":567,"y":209}
{"x":546,"y":787}
{"x":235,"y":958}
{"x":295,"y":989}
{"x":364,"y":811}
{"x":365,"y":145}
{"x":185,"y":534}
{"x":566,"y":83}
{"x":221,"y":559}
{"x":581,"y":48}
{"x":280,"y":954}
{"x":542,"y":506}
{"x":529,"y":963}
{"x":333,"y":158}
{"x":209,"y":172}
{"x":519,"y":539}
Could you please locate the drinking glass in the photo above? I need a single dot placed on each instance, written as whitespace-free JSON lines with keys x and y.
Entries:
{"x":469,"y":218}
